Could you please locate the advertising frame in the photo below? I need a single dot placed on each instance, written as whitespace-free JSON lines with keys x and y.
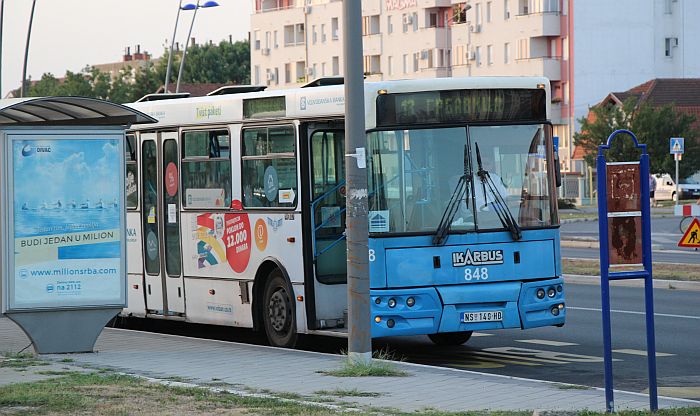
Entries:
{"x":11,"y":135}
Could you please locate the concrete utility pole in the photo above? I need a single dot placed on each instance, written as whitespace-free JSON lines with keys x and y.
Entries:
{"x":359,"y":339}
{"x":26,"y":51}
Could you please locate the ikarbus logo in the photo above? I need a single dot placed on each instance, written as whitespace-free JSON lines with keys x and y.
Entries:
{"x":28,"y":150}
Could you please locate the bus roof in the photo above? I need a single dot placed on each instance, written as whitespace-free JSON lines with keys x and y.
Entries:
{"x":309,"y":102}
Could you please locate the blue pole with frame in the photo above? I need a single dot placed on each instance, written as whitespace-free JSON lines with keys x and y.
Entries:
{"x":646,"y":273}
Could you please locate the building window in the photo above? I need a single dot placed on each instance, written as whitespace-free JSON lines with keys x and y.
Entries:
{"x":489,"y":54}
{"x":390,"y":65}
{"x":267,"y":40}
{"x":459,"y":13}
{"x":506,"y":53}
{"x":287,"y":73}
{"x":274,"y":38}
{"x":477,"y":12}
{"x":371,"y":64}
{"x":269,"y":153}
{"x":256,"y":40}
{"x":389,"y":26}
{"x":669,"y":44}
{"x":405,"y":64}
{"x":257,"y":74}
{"x":432,"y":20}
{"x":323,"y":69}
{"x":370,"y":25}
{"x":506,"y":11}
{"x":414,"y":20}
{"x":313,"y":35}
{"x":459,"y":55}
{"x":206,"y":169}
{"x":416,"y":57}
{"x":294,"y":34}
{"x":478,"y":56}
{"x":301,"y":71}
{"x":406,"y":19}
{"x":336,"y":65}
{"x":323,"y":33}
{"x":488,"y":12}
{"x":566,"y":92}
{"x":523,"y":50}
{"x":334,"y":28}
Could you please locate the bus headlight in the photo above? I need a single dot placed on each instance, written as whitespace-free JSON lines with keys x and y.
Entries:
{"x":540,"y":293}
{"x":392,"y":302}
{"x":410,"y":302}
{"x":551,"y":292}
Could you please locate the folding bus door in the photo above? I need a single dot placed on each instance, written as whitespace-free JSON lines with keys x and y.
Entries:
{"x":327,"y":177}
{"x":160,"y":220}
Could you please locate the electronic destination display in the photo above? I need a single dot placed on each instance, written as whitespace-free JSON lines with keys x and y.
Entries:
{"x":461,"y":106}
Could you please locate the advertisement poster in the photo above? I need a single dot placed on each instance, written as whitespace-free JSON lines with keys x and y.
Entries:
{"x":67,"y":220}
{"x":624,"y":189}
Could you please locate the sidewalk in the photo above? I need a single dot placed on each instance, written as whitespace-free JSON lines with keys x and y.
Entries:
{"x":280,"y":371}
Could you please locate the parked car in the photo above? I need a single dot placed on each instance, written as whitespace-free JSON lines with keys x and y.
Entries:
{"x":666,"y":188}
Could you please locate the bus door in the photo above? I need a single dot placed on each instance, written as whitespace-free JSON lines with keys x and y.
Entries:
{"x":161,"y":223}
{"x":327,"y":177}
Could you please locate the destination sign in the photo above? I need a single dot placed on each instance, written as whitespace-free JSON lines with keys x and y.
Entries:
{"x":461,"y":106}
{"x":264,"y":107}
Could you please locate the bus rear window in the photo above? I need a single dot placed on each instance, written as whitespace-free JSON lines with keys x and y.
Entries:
{"x":206,"y":169}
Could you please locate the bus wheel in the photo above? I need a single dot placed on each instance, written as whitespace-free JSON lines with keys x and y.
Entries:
{"x":278,"y":311}
{"x":447,"y":339}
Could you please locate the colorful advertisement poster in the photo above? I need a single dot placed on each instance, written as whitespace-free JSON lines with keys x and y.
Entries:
{"x":67,"y":197}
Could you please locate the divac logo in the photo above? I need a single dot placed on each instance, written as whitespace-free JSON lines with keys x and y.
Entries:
{"x":302,"y":103}
{"x":28,"y":150}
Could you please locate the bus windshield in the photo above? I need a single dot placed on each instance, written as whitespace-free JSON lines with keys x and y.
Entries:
{"x":414,"y":174}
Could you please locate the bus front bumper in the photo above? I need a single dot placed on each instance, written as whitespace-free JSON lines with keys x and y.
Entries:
{"x":458,"y":308}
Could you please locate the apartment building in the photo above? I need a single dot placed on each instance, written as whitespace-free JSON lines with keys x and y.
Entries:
{"x":587,"y":48}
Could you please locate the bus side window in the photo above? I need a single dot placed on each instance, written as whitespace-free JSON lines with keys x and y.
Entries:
{"x":132,"y":175}
{"x":269,"y":176}
{"x":206,"y":169}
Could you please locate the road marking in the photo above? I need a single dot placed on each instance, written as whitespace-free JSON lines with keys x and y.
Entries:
{"x":642,"y":352}
{"x":518,"y":357}
{"x":667,"y":315}
{"x":547,"y":356}
{"x":546,"y":342}
{"x":481,"y":334}
{"x":496,"y":358}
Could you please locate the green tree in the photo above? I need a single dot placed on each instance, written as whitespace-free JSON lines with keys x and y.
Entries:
{"x":225,"y":63}
{"x":46,"y":86}
{"x":653,"y":126}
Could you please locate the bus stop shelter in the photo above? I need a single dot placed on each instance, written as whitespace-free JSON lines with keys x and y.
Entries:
{"x":62,"y":217}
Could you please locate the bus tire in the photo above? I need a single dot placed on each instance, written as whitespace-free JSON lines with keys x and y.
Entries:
{"x":447,"y":339}
{"x":279,"y":317}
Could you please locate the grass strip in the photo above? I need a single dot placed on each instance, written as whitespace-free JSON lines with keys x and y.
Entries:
{"x":662,"y":271}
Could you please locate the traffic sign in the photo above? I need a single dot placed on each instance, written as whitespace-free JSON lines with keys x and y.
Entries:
{"x":677,"y":145}
{"x":691,"y":238}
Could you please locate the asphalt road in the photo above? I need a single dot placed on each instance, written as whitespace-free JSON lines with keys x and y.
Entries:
{"x":570,"y":354}
{"x":665,"y":235}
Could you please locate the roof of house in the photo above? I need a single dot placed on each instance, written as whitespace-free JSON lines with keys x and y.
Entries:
{"x":682,"y":92}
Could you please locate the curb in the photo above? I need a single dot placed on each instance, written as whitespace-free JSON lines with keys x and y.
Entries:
{"x":581,"y":243}
{"x":657,"y":283}
{"x":573,"y":220}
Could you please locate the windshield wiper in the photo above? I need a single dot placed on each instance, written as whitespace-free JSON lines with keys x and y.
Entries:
{"x":461,"y":190}
{"x":499,"y":204}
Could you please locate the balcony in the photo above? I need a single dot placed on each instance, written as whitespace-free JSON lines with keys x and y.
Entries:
{"x":265,"y":6}
{"x":440,"y":36}
{"x":539,"y":24}
{"x":549,"y":67}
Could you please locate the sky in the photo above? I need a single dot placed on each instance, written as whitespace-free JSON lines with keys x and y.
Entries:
{"x":70,"y":34}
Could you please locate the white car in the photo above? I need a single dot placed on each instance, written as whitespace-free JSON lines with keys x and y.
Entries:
{"x":666,"y":188}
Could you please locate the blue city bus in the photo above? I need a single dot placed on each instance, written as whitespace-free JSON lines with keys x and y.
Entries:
{"x":237,"y":212}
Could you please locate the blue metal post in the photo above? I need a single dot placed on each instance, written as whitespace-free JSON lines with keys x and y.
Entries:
{"x":648,"y":282}
{"x":604,"y":282}
{"x":645,"y":274}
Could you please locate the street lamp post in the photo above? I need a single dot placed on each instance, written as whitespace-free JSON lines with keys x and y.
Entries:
{"x":196,"y":7}
{"x":170,"y":54}
{"x":26,"y":50}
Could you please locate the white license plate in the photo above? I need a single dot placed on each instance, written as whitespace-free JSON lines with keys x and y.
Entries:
{"x":491,"y":316}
